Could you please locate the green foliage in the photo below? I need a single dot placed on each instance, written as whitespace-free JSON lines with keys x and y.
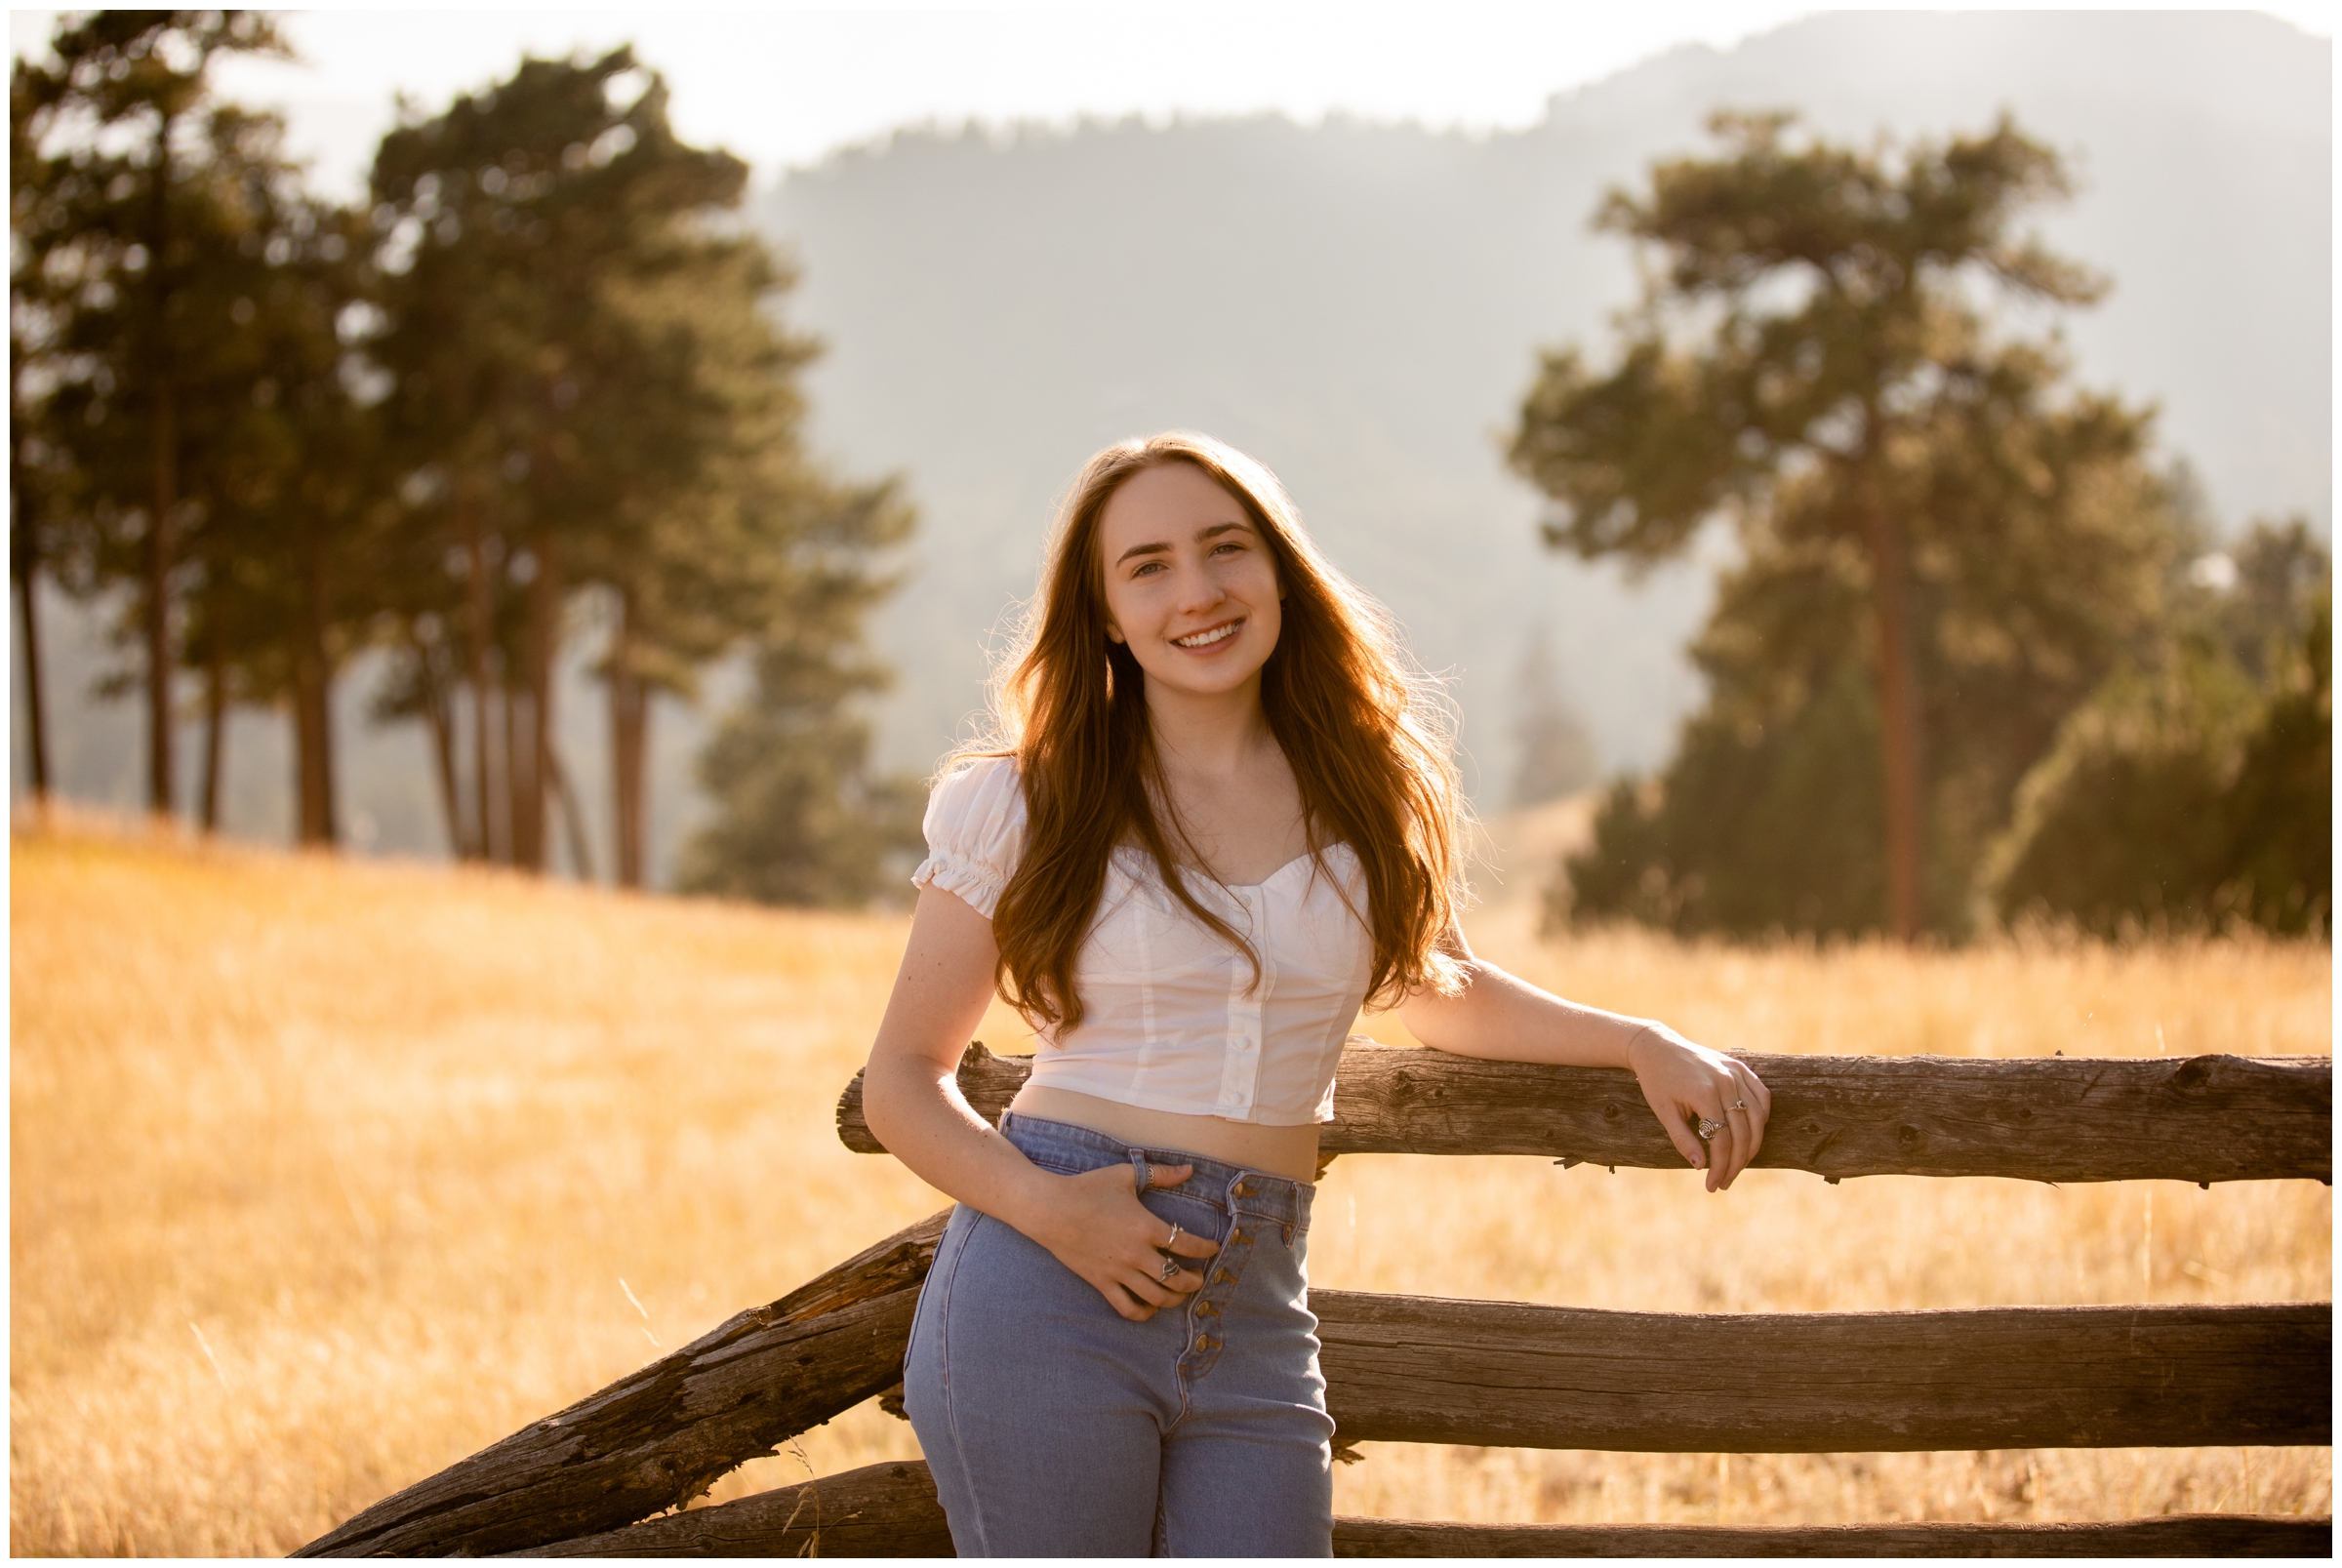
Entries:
{"x":177,"y":301}
{"x":591,"y":391}
{"x":147,"y":222}
{"x":1943,"y":549}
{"x":1754,"y":828}
{"x":2194,"y":789}
{"x":538,"y":381}
{"x":801,"y":816}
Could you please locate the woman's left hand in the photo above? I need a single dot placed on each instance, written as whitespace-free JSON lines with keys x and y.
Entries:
{"x":1688,"y":1085}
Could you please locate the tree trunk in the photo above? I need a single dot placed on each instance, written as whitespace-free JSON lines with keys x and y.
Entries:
{"x":1899,"y":738}
{"x":629,"y":738}
{"x":25,"y":565}
{"x":312,"y":710}
{"x":573,"y":820}
{"x":159,"y":541}
{"x":437,"y":701}
{"x":160,"y":662}
{"x":515,"y":699}
{"x":215,"y":737}
{"x":24,"y":572}
{"x":533,"y":782}
{"x":481,"y":629}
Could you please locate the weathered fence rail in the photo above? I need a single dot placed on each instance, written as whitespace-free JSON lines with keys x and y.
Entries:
{"x":2207,"y":1118}
{"x":1506,"y":1374}
{"x":658,"y":1436}
{"x":890,"y":1511}
{"x":1503,"y":1375}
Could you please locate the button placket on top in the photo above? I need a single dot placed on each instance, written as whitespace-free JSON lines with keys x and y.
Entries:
{"x":1241,"y":1056}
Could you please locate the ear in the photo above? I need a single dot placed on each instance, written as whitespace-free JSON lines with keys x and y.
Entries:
{"x":1114,"y":633}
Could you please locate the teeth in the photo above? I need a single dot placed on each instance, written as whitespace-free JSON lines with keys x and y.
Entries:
{"x":1204,"y":639}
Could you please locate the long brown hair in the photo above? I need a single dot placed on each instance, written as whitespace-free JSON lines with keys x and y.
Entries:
{"x":1361,"y":727}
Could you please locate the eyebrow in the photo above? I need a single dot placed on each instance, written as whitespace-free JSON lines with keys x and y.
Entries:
{"x":1201,"y":535}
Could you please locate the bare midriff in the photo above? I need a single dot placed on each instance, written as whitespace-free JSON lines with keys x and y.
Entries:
{"x":1288,"y":1151}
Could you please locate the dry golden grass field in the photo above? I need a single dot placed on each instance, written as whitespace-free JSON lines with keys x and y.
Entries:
{"x":325,"y":1175}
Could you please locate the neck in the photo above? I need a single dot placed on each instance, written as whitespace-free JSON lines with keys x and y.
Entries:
{"x":1215,"y":734}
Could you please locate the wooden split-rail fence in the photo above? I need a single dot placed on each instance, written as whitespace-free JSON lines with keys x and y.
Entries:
{"x":609,"y":1475}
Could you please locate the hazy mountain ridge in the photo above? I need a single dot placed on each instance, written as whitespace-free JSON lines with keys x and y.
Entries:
{"x":1362,"y":306}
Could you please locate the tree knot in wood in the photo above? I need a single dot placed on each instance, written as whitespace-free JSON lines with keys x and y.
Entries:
{"x":1909,"y":1137}
{"x":2194,"y":1072}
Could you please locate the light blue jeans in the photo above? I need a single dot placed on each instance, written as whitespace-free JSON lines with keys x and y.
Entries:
{"x":1055,"y":1427}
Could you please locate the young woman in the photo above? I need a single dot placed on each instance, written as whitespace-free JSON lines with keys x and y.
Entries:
{"x":1218,"y":819}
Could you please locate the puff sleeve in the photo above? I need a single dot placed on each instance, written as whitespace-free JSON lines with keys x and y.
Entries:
{"x":975,"y":832}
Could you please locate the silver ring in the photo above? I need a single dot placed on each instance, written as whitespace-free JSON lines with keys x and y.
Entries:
{"x":1174,"y":1241}
{"x":1709,"y":1129}
{"x":1738,"y":1104}
{"x":1170,"y":1269}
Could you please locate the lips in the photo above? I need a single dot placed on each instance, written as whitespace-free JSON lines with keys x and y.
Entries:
{"x":1209,"y":637}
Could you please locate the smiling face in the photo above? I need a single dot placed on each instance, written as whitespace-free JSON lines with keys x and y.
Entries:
{"x":1190,"y":586}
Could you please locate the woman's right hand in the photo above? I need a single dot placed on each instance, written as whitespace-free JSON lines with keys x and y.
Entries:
{"x":1095,"y":1225}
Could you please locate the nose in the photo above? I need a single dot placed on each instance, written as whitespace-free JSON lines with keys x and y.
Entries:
{"x":1198,"y":591}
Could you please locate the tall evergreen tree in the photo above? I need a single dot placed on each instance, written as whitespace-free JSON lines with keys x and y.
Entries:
{"x":124,"y":182}
{"x":2194,"y":789}
{"x":590,"y":393}
{"x":801,"y":814}
{"x":39,"y":466}
{"x":517,"y":228}
{"x":1943,"y":550}
{"x":285,"y":563}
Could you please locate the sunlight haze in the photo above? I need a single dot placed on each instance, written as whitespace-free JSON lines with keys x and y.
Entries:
{"x":784,"y":87}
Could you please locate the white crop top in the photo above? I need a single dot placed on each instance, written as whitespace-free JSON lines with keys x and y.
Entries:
{"x":1173,"y":1022}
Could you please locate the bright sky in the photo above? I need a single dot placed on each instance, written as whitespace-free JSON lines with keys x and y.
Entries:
{"x":784,"y":84}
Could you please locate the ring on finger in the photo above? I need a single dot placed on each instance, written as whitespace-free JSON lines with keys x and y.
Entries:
{"x":1709,"y":1129}
{"x":1170,"y":1269}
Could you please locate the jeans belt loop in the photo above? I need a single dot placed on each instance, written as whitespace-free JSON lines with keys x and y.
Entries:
{"x":1137,"y":1158}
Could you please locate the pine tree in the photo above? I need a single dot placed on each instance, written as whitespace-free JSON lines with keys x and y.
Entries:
{"x":801,"y":816}
{"x":1944,"y":548}
{"x":593,"y":404}
{"x":125,"y":185}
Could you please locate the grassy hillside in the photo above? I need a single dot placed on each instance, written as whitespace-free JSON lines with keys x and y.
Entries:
{"x":324,"y":1175}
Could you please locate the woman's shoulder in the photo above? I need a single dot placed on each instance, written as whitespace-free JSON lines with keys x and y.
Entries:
{"x":975,"y":830}
{"x":981,"y":787}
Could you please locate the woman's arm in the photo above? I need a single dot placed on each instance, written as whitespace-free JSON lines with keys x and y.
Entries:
{"x":1503,"y":1019}
{"x":1094,"y":1223}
